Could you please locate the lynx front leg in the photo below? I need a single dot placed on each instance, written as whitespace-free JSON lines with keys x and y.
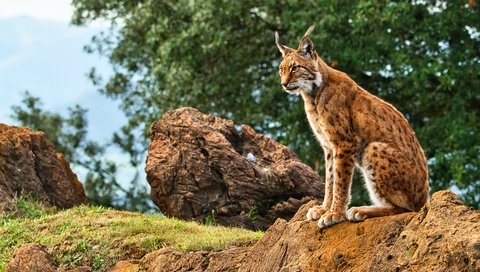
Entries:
{"x":315,"y":212}
{"x":343,"y":171}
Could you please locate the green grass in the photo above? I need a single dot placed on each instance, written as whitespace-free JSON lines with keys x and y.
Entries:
{"x":99,"y":237}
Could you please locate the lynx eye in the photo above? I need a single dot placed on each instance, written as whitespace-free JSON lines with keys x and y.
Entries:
{"x":293,"y":69}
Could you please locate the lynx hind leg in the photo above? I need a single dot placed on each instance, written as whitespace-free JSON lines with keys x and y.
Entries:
{"x":315,"y":212}
{"x":364,"y":212}
{"x":388,"y":183}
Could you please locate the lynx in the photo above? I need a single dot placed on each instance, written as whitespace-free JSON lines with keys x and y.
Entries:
{"x":355,"y":128}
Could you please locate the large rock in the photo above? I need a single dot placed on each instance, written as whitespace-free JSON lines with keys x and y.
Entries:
{"x":200,"y":165}
{"x":443,"y":236}
{"x":30,"y":165}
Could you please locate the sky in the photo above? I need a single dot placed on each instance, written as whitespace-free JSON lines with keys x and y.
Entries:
{"x":42,"y":53}
{"x":50,"y":10}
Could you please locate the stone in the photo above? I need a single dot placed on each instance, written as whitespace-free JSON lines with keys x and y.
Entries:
{"x":34,"y":257}
{"x":443,"y":236}
{"x":200,"y":166}
{"x":31,"y":257}
{"x":124,"y":266}
{"x":166,"y":260}
{"x":29,"y":165}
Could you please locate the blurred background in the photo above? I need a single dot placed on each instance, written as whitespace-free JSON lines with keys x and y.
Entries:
{"x":94,"y":74}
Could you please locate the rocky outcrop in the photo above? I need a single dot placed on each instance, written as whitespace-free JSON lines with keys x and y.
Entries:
{"x":200,"y":166}
{"x":443,"y":236}
{"x":30,"y":165}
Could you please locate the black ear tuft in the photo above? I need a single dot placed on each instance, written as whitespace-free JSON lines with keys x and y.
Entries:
{"x":306,"y":47}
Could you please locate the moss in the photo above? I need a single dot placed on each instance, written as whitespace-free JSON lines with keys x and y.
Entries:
{"x":99,"y":237}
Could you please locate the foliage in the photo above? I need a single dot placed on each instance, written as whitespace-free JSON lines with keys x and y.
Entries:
{"x":25,"y":206}
{"x":209,"y":219}
{"x":69,"y":136}
{"x":99,"y":237}
{"x":252,"y":213}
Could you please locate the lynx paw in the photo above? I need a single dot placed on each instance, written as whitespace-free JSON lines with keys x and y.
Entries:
{"x":330,"y":218}
{"x":315,"y":212}
{"x":356,"y":215}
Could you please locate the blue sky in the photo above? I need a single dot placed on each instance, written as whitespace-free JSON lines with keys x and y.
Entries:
{"x":42,"y":53}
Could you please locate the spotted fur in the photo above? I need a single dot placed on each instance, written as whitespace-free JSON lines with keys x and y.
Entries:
{"x":355,"y":127}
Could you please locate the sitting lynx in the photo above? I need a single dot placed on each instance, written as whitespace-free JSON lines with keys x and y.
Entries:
{"x":355,"y":127}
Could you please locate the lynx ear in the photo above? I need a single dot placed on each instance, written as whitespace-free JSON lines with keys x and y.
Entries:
{"x":306,"y":47}
{"x":283,"y":49}
{"x":309,"y":30}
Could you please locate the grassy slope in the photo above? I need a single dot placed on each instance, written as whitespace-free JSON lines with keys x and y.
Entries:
{"x":98,"y":237}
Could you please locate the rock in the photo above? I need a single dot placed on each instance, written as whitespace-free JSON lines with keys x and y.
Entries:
{"x":124,"y":266}
{"x":199,"y":165}
{"x":77,"y":192}
{"x":443,"y":236}
{"x":30,"y":165}
{"x":33,"y":258}
{"x":166,"y":260}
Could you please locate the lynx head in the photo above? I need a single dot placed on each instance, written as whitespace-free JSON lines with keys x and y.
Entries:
{"x":299,"y":69}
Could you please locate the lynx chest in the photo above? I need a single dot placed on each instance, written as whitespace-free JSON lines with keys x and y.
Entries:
{"x":318,"y":127}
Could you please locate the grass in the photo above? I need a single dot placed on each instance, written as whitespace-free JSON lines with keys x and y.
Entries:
{"x":99,"y":237}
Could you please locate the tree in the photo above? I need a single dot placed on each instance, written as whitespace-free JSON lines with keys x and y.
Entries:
{"x":219,"y":56}
{"x":69,"y":136}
